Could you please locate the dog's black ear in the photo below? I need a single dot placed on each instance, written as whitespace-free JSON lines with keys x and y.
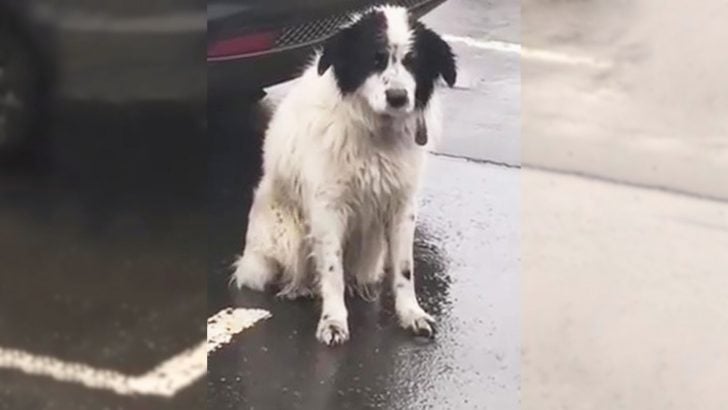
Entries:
{"x":421,"y":131}
{"x":444,"y":59}
{"x":330,"y":53}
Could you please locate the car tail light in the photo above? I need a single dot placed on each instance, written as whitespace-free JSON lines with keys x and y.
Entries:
{"x":242,"y":45}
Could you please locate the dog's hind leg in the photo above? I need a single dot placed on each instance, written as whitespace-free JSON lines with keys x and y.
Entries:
{"x":254,"y":271}
{"x":296,"y":276}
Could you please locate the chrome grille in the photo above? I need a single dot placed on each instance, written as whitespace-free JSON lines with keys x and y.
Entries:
{"x":318,"y":30}
{"x":311,"y":31}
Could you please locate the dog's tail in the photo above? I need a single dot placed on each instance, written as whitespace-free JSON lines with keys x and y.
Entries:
{"x":253,"y":271}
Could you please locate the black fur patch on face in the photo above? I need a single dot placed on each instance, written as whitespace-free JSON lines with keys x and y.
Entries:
{"x":429,"y":58}
{"x":357,"y":51}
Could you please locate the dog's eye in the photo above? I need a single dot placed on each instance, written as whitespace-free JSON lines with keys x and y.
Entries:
{"x":380,"y":59}
{"x":408,"y":59}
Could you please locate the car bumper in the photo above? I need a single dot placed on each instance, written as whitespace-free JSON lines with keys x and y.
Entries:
{"x":246,"y":74}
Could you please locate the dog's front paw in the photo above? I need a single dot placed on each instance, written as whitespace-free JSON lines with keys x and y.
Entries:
{"x":417,"y":321}
{"x":332,"y":332}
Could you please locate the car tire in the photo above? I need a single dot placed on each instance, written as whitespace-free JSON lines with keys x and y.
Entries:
{"x":20,"y":88}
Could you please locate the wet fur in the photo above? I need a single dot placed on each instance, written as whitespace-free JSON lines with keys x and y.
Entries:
{"x":339,"y":175}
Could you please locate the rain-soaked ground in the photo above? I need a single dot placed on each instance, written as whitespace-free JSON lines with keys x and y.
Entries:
{"x":640,"y":99}
{"x":102,"y":257}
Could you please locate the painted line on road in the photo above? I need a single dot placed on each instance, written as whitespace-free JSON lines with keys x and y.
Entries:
{"x":166,"y":379}
{"x":226,"y":323}
{"x":530,"y":53}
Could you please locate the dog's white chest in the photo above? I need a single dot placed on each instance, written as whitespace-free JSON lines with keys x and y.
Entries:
{"x":377,"y":183}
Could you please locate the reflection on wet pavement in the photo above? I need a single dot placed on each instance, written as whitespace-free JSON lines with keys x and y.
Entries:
{"x":102,"y":229}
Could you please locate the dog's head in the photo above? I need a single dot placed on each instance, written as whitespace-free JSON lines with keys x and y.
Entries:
{"x":390,"y":60}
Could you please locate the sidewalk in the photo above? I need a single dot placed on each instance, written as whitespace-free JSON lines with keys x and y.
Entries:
{"x":625,"y":297}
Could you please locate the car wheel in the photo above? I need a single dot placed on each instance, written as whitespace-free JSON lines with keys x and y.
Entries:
{"x":19,"y":90}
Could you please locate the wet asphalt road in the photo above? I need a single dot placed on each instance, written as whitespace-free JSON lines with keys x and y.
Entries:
{"x":483,"y":111}
{"x":467,"y":264}
{"x":102,"y":233}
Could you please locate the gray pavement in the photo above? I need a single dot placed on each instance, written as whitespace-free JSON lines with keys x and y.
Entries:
{"x":483,"y":111}
{"x":481,"y":19}
{"x":624,"y":284}
{"x":625,"y":295}
{"x":653,"y":113}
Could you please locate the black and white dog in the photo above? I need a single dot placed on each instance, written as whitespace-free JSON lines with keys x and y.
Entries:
{"x":343,"y":156}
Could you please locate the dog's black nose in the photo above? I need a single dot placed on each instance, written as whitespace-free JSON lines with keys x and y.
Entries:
{"x":396,"y":97}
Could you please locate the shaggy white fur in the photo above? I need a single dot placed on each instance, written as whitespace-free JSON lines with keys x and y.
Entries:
{"x":336,"y":205}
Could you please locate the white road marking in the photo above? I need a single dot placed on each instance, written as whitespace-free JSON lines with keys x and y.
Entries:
{"x":164,"y":380}
{"x":222,"y":326}
{"x":530,"y":53}
{"x":484,"y":44}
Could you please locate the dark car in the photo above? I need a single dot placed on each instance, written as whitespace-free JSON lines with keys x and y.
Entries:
{"x":121,"y":51}
{"x":96,"y":50}
{"x":256,"y":43}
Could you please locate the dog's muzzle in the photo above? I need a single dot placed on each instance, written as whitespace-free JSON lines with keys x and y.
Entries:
{"x":396,"y":97}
